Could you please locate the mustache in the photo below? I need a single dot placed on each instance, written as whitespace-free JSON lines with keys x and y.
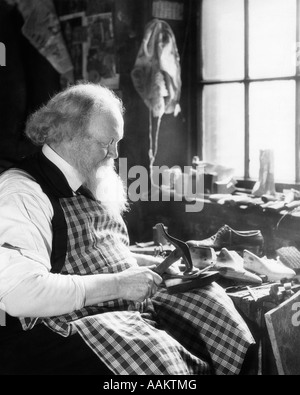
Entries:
{"x":108,"y":162}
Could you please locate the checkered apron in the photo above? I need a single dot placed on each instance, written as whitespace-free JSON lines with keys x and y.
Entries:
{"x":195,"y":333}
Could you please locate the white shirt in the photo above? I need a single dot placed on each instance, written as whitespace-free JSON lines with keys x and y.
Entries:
{"x":26,"y":285}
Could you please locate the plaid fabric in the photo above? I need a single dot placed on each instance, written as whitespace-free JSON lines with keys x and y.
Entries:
{"x":206,"y":316}
{"x":128,"y":344}
{"x":194,"y":333}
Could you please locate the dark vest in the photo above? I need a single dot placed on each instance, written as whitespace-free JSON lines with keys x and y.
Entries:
{"x":55,"y":186}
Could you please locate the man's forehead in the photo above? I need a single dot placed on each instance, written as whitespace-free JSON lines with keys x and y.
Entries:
{"x":107,"y":124}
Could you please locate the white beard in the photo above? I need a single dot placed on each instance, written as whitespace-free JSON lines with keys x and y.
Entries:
{"x":107,"y":186}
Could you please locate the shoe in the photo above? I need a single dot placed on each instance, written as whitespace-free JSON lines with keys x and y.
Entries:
{"x":231,"y":265}
{"x":226,"y":237}
{"x":275,"y":270}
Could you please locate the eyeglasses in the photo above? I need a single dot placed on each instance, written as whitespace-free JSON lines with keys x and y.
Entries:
{"x":106,"y":146}
{"x":101,"y":143}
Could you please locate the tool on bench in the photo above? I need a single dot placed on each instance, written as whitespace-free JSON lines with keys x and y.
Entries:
{"x":190,"y":277}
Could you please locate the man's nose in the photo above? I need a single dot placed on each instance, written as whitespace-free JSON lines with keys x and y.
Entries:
{"x":113,"y":151}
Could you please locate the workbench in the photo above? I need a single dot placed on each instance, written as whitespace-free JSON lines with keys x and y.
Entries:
{"x":278,"y":228}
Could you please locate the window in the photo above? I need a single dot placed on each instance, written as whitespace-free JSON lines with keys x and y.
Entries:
{"x":249,"y":84}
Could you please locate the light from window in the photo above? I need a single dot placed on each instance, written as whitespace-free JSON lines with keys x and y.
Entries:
{"x":272,"y":35}
{"x":224,"y":126}
{"x":272,"y":126}
{"x":223,"y":39}
{"x":249,"y":84}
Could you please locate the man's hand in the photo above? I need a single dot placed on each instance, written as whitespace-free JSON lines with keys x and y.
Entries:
{"x":138,"y":283}
{"x":150,"y":260}
{"x":147,"y":260}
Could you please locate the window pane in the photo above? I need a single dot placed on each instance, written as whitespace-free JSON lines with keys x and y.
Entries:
{"x":223,"y":39}
{"x":272,"y":126}
{"x":223,"y":126}
{"x":272,"y":38}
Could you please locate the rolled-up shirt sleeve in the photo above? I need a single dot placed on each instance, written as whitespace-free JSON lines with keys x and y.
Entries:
{"x":27,"y":287}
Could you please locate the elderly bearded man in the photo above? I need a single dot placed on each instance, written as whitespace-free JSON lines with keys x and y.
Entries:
{"x":77,"y":300}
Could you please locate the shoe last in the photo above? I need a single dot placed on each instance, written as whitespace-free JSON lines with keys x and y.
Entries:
{"x":230,"y":265}
{"x":227,"y":258}
{"x":202,"y":256}
{"x":240,"y":275}
{"x":273,"y":269}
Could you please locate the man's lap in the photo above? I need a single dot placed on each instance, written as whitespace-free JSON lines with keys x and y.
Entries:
{"x":42,"y":351}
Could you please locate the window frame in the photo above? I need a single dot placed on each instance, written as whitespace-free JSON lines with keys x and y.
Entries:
{"x":246,"y":182}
